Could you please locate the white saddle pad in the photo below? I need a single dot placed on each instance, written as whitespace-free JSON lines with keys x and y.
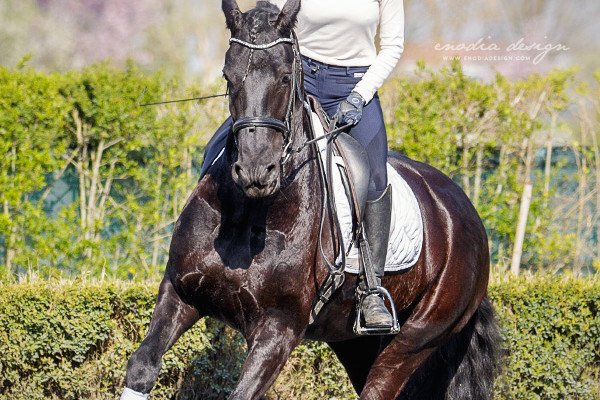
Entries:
{"x":406,"y":228}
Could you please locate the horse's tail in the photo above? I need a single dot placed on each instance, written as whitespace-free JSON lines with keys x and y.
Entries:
{"x":466,"y":366}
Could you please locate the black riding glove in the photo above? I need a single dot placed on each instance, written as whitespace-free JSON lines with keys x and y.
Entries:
{"x":349,"y":111}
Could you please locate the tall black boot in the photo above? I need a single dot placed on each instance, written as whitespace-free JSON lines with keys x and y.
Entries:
{"x":377,"y":229}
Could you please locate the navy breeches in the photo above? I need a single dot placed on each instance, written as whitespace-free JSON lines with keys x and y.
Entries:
{"x":331,"y":85}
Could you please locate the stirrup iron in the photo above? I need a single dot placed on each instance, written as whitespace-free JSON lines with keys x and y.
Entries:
{"x":359,"y":329}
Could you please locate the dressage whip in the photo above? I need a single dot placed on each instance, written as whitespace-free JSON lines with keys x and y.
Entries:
{"x":177,"y":101}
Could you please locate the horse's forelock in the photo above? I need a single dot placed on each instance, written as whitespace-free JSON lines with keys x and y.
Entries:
{"x":266,"y":12}
{"x":267,"y":6}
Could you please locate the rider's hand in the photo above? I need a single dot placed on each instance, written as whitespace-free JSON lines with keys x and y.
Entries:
{"x":349,"y":111}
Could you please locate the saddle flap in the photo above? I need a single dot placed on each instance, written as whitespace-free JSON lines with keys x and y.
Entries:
{"x":354,"y":169}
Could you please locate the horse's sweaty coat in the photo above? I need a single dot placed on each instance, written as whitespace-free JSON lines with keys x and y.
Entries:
{"x":246,"y":250}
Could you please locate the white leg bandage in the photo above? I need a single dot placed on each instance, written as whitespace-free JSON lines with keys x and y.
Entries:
{"x":129,"y":394}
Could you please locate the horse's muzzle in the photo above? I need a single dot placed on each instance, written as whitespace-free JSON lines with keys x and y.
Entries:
{"x":256,"y":181}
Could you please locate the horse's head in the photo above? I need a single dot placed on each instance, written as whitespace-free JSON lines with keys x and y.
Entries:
{"x":260,"y":73}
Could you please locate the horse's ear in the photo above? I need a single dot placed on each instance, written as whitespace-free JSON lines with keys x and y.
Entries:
{"x":233,"y":15}
{"x":287,"y":17}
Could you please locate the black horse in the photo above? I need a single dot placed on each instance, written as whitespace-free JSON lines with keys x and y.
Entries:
{"x":245,"y":249}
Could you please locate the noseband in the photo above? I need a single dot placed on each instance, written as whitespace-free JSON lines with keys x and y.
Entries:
{"x":285,"y":126}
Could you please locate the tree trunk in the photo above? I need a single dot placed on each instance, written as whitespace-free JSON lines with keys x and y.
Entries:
{"x":597,"y":183}
{"x":80,"y":168}
{"x":521,"y":228}
{"x":478,"y":173}
{"x":523,"y":211}
{"x":92,"y":206}
{"x":527,"y":149}
{"x":465,"y":167}
{"x":9,"y":245}
{"x":501,"y":169}
{"x":548,"y":165}
{"x":156,"y":240}
{"x":8,"y":242}
{"x":579,"y":242}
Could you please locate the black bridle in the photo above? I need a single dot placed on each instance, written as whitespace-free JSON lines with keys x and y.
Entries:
{"x":296,"y":91}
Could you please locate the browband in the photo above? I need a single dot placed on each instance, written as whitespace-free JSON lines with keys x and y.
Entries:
{"x":254,"y":46}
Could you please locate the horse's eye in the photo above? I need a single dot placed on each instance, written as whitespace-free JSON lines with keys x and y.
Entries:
{"x":286,"y":79}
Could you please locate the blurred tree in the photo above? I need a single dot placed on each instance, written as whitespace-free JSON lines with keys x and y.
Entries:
{"x":188,"y":37}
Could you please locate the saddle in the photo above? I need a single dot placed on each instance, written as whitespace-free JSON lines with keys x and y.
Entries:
{"x":351,"y":159}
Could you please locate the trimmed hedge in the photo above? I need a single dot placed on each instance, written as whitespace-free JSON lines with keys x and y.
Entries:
{"x":71,"y":340}
{"x":552,"y":333}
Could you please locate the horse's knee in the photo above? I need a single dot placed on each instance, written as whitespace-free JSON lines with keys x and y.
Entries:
{"x":142,"y":370}
{"x":372,"y":393}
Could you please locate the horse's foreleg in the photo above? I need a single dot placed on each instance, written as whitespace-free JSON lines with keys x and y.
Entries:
{"x":269,"y":346}
{"x":171,"y":318}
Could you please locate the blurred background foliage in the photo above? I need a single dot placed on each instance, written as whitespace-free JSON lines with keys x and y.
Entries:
{"x":187,"y":38}
{"x":90,"y":183}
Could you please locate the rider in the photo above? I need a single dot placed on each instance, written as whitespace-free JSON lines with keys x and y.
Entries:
{"x":344,"y":70}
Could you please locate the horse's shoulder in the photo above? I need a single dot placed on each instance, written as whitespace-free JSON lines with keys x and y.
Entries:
{"x":198,"y":219}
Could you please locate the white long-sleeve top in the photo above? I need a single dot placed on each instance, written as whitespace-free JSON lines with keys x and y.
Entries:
{"x":342,"y":33}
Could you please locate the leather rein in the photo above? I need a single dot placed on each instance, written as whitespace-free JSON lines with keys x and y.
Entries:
{"x":335,"y":277}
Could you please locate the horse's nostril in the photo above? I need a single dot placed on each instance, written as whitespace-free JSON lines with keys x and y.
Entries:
{"x":270,"y":168}
{"x":237,"y":169}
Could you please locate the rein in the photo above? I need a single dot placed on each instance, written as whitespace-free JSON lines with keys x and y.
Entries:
{"x":335,"y":277}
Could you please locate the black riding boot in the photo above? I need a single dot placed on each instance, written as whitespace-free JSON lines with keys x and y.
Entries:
{"x":377,"y":229}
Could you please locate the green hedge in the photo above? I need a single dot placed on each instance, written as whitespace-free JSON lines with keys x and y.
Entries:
{"x":552,"y":333}
{"x":71,"y":340}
